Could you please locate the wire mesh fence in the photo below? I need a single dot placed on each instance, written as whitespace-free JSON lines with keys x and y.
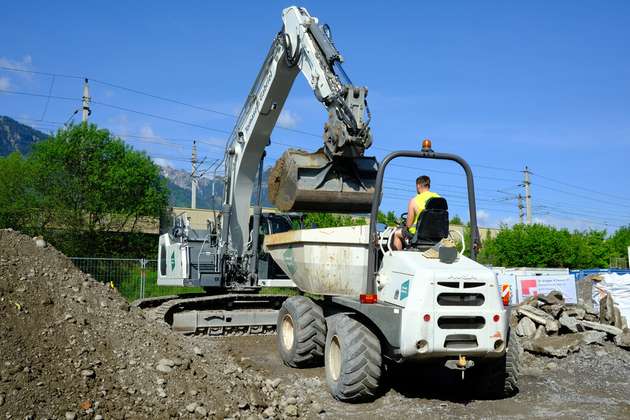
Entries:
{"x":134,"y":278}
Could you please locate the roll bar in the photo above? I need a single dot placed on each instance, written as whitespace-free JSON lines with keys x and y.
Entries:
{"x":378,"y":189}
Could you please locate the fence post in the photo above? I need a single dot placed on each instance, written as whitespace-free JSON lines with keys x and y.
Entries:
{"x":143,"y":276}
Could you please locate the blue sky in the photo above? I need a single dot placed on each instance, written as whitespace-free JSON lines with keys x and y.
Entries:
{"x":504,"y":84}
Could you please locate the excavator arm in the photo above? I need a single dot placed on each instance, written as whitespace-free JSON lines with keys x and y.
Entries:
{"x":337,"y":177}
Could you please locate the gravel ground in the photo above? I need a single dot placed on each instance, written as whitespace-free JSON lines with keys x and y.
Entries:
{"x":593,"y":383}
{"x":71,"y":347}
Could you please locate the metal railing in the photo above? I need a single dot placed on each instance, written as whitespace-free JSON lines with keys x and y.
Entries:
{"x":127,"y":275}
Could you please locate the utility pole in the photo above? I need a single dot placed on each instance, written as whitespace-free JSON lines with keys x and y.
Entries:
{"x":86,"y":101}
{"x":520,"y":208}
{"x":528,"y":196}
{"x":193,"y":176}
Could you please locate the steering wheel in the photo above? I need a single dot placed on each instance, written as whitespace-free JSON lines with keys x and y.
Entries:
{"x":403,"y":220}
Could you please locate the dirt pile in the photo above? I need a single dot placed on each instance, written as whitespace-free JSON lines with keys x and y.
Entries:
{"x":71,"y":347}
{"x":547,"y":325}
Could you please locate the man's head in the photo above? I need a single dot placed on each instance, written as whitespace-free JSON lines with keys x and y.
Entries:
{"x":423,"y":183}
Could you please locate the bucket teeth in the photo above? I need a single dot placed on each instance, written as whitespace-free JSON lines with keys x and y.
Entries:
{"x":302,"y":181}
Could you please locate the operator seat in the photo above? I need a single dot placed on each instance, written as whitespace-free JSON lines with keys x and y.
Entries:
{"x":432,"y":225}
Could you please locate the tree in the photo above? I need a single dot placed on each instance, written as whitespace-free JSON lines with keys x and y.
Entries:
{"x":324,"y":220}
{"x":388,"y":219}
{"x":456,"y":220}
{"x":88,"y":188}
{"x":16,"y":198}
{"x":620,"y":241}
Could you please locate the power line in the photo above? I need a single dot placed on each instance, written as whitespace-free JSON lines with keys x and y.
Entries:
{"x":39,"y":95}
{"x":581,"y":188}
{"x":206,"y":109}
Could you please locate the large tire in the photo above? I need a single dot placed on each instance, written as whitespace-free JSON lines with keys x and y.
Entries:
{"x":301,"y":332}
{"x":352,"y":360}
{"x":501,"y":376}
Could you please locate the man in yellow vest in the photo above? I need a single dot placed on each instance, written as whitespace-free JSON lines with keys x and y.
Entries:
{"x":415,"y":207}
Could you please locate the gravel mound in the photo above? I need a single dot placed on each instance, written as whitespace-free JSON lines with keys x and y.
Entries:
{"x":71,"y":347}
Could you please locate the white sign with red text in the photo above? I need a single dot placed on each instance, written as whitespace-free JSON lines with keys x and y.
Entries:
{"x":541,"y":285}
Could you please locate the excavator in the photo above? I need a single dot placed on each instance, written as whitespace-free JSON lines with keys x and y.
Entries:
{"x":426,"y":303}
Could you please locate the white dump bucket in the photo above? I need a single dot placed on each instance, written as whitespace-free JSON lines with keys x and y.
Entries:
{"x":328,"y":261}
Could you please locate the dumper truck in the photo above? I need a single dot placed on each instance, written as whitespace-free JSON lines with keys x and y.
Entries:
{"x":362,"y":304}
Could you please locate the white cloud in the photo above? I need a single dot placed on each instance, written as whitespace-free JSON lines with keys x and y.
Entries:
{"x":26,"y":63}
{"x":288,"y":119}
{"x":147,"y":131}
{"x":483,"y":216}
{"x":163,"y":162}
{"x":5,"y":83}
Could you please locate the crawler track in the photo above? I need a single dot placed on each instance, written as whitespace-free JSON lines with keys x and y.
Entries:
{"x":216,"y":315}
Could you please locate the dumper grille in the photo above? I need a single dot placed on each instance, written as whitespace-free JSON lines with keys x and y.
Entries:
{"x":460,"y":341}
{"x":471,"y":284}
{"x":460,"y":299}
{"x":461,"y":322}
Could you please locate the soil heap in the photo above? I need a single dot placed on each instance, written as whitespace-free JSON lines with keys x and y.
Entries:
{"x":71,"y":347}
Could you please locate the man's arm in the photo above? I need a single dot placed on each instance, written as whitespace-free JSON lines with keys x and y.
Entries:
{"x":411,"y":213}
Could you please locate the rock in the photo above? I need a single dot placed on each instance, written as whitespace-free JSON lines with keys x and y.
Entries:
{"x":269,"y":412}
{"x":537,"y":315}
{"x":552,"y":326}
{"x":86,"y":405}
{"x":623,"y":340}
{"x":585,"y":292}
{"x":551,"y":366}
{"x":1,"y":400}
{"x":191,"y":407}
{"x":161,"y":381}
{"x":556,"y":346}
{"x":576,"y":311}
{"x":71,"y":415}
{"x":553,"y":310}
{"x":525,"y":327}
{"x":197,"y":351}
{"x":617,"y":322}
{"x":243,"y":405}
{"x":601,"y":327}
{"x":201,"y":411}
{"x":88,"y":373}
{"x":601,"y":353}
{"x":98,"y":417}
{"x":39,"y":242}
{"x":552,"y":298}
{"x":166,"y":362}
{"x":164,"y":368}
{"x":161,"y":393}
{"x":291,"y":410}
{"x":540,"y":332}
{"x":593,"y":337}
{"x":570,"y":323}
{"x":275,"y":382}
{"x":317,"y":409}
{"x":606,"y":310}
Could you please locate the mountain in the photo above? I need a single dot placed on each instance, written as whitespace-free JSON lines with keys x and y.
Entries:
{"x":179,"y":184}
{"x":17,"y":137}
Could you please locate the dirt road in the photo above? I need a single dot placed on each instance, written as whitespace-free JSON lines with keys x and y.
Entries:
{"x":591,"y":384}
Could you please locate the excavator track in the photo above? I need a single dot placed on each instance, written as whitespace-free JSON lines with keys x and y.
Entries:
{"x":231,"y":314}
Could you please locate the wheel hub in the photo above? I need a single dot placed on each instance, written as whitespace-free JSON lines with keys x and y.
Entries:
{"x":286,"y":332}
{"x":334,"y":358}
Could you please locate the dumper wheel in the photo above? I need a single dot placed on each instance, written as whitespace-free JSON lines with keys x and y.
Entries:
{"x":353,"y":360}
{"x":301,"y":332}
{"x":501,"y":376}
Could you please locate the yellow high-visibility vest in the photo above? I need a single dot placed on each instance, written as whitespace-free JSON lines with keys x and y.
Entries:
{"x":421,"y":202}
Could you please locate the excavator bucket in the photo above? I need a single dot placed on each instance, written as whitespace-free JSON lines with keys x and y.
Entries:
{"x":302,"y":181}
